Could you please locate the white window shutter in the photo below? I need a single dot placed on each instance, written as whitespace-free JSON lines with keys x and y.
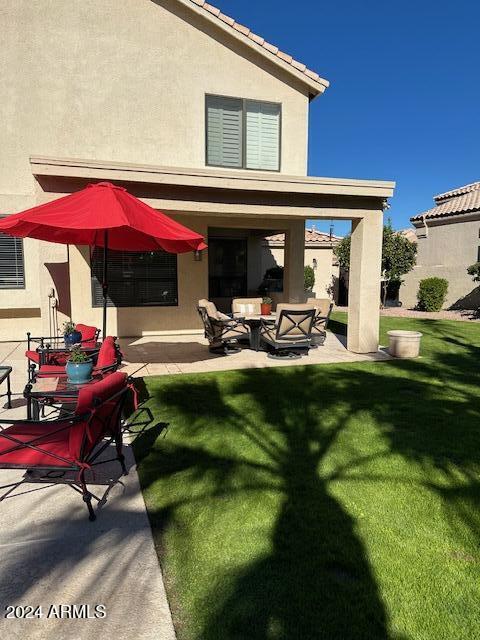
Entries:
{"x":224,"y":131}
{"x":263,"y":136}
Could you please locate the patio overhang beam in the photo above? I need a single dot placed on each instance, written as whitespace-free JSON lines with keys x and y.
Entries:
{"x":214,"y":192}
{"x":209,"y":178}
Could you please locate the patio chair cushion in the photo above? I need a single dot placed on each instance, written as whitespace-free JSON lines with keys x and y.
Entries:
{"x":322,"y":305}
{"x":89,"y":335}
{"x":107,"y":355}
{"x":52,"y":441}
{"x":247,"y":306}
{"x":286,"y":325}
{"x":236,"y":332}
{"x":34,"y":356}
{"x":89,"y":396}
{"x":210,"y":308}
{"x":51,"y":370}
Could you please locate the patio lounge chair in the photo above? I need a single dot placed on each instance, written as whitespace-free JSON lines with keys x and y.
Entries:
{"x":109,"y":358}
{"x":247,"y":306}
{"x":73,"y":443}
{"x":291,"y":333}
{"x":323,"y":310}
{"x":222,"y":331}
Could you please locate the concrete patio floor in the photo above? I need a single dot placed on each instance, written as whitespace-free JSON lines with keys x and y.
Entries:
{"x":51,"y":554}
{"x":163,"y":355}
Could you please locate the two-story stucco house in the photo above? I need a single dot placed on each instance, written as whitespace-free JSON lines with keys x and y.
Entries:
{"x":448,"y":237}
{"x":190,"y":111}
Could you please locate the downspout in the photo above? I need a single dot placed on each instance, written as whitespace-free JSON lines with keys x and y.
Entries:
{"x":424,"y":220}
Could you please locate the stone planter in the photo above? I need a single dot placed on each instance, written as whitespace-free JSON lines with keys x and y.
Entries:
{"x":404,"y":344}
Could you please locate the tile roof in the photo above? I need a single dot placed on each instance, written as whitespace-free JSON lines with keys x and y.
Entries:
{"x":312,"y":236}
{"x":409,"y":234}
{"x":456,"y":202}
{"x":231,"y":23}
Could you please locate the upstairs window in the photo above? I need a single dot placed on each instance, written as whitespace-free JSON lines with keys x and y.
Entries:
{"x":12,"y":269}
{"x":243,"y":134}
{"x":146,"y":279}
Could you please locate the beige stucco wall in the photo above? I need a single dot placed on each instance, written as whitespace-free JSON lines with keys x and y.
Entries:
{"x":446,"y":252}
{"x":326,"y":273}
{"x":120,"y":82}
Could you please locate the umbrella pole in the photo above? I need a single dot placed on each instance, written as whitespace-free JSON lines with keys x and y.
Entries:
{"x":105,"y":282}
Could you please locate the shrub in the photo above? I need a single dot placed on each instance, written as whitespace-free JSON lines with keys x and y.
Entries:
{"x":474,"y":271}
{"x":431,"y":294}
{"x":309,"y":277}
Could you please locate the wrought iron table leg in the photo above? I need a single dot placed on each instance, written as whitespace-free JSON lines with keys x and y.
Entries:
{"x":9,"y":393}
{"x":255,"y":338}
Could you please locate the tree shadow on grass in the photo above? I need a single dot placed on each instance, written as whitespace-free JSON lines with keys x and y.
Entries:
{"x":316,"y":582}
{"x":272,"y":432}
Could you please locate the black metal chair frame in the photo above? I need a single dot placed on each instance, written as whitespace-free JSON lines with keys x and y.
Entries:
{"x":217,"y":341}
{"x":44,"y":348}
{"x":89,"y":453}
{"x":295,"y":343}
{"x":34,"y":373}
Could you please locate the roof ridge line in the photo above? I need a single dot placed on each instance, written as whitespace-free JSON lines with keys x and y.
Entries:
{"x":472,"y":186}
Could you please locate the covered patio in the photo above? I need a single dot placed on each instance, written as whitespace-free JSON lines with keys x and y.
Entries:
{"x":220,"y":199}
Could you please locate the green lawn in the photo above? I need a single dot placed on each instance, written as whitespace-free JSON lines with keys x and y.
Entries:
{"x":335,"y":502}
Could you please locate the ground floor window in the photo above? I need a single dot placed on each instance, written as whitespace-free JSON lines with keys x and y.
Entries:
{"x":146,"y":279}
{"x":12,"y":269}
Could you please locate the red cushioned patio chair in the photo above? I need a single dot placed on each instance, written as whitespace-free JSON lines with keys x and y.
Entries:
{"x":43,"y":355}
{"x":109,"y":359}
{"x":72,"y":444}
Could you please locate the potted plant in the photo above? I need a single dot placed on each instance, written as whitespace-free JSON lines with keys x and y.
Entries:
{"x":70,"y":334}
{"x":266,"y":306}
{"x":79,"y":366}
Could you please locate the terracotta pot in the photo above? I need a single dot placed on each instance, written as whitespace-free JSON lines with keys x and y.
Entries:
{"x":266,"y":309}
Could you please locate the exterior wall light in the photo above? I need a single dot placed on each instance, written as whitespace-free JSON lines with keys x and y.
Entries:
{"x":314,"y":261}
{"x":197,"y":255}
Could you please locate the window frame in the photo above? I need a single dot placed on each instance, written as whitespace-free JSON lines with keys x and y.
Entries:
{"x":24,"y":285}
{"x":243,"y":154}
{"x":131,"y":306}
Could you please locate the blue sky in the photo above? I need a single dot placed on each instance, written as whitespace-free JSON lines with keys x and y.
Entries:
{"x":404,"y":99}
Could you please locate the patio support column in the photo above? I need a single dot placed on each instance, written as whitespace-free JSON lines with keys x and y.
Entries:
{"x":364,"y":283}
{"x":293,"y":277}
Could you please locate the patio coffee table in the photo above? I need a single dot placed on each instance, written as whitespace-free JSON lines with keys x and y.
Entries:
{"x":5,"y":375}
{"x":254,"y":321}
{"x":52,"y":391}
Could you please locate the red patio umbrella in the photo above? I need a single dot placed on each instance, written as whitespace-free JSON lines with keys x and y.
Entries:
{"x":103,"y":215}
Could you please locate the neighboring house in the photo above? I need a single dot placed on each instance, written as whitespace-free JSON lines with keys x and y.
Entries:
{"x":410,"y":234}
{"x":190,"y":111}
{"x":448,"y":237}
{"x":318,"y":254}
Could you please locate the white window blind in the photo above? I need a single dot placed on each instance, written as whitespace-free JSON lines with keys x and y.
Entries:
{"x":12,"y":270}
{"x":224,"y":131}
{"x":262,"y":135}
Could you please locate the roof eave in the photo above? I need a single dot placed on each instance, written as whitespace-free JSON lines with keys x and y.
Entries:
{"x":315,"y":84}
